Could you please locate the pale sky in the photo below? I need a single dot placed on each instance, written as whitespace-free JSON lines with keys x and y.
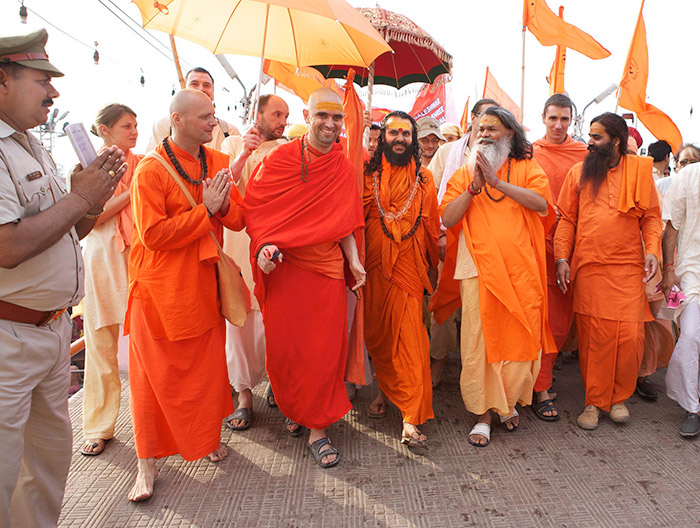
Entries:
{"x":477,"y":33}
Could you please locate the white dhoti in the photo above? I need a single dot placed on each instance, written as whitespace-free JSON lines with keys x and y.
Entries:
{"x":682,"y":376}
{"x":245,"y":352}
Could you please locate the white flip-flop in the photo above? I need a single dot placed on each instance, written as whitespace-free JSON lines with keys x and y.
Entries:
{"x":505,"y":418}
{"x":481,"y":429}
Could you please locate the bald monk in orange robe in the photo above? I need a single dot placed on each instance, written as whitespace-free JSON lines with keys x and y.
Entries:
{"x":605,"y":202}
{"x":500,"y":205}
{"x":177,"y":363}
{"x":556,"y":153}
{"x":303,"y":212}
{"x":402,"y":229}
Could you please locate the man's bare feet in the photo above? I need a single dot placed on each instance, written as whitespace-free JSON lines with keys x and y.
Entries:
{"x":378,"y":407}
{"x":479,"y":439}
{"x":436,"y":370}
{"x":145,"y":478}
{"x":219,"y":454}
{"x":317,"y":434}
{"x":412,"y":436}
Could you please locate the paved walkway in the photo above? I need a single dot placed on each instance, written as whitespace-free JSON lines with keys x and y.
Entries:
{"x":545,"y":474}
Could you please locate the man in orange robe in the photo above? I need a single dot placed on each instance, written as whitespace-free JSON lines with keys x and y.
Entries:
{"x":500,"y":205}
{"x":604,"y":203}
{"x":177,"y":362}
{"x":302,"y":213}
{"x":402,"y":229}
{"x":556,"y":153}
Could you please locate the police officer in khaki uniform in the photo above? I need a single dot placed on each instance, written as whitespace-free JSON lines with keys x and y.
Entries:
{"x":41,"y":274}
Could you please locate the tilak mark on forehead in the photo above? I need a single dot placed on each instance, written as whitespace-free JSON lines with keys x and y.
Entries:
{"x":399,"y":124}
{"x":490,"y":120}
{"x":329,"y":106}
{"x":597,"y":128}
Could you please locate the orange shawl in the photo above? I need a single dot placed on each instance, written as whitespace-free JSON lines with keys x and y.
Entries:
{"x":124,"y":223}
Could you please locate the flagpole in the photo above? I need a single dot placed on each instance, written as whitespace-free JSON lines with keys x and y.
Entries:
{"x":522,"y":83}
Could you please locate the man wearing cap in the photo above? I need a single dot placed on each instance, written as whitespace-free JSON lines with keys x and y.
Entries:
{"x":41,"y":274}
{"x":451,"y":131}
{"x":196,"y":79}
{"x":429,"y":138}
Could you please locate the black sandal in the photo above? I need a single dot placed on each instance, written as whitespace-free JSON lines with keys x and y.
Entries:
{"x":270,"y":397}
{"x":293,"y":432}
{"x":318,"y":454}
{"x":543,"y":407}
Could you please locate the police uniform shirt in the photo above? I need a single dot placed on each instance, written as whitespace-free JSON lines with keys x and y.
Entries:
{"x":29,"y":184}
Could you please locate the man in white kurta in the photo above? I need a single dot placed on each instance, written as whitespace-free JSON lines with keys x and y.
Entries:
{"x":245,"y":346}
{"x":681,"y":210}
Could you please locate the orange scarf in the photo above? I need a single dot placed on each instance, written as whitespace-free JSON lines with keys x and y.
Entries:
{"x":124,"y":225}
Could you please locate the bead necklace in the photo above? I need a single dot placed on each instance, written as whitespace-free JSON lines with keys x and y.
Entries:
{"x":376,"y":179}
{"x":178,"y":167}
{"x":507,"y":181}
{"x":304,"y":160}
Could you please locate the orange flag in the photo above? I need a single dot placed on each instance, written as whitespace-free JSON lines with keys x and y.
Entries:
{"x":299,"y":81}
{"x":550,"y":30}
{"x":495,"y":92}
{"x":633,"y":89}
{"x":556,"y":74}
{"x":466,"y":118}
{"x":354,"y":128}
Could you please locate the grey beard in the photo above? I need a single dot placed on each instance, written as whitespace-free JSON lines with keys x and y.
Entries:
{"x":496,"y":153}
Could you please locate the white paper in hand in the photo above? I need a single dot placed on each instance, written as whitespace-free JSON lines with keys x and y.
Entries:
{"x":81,"y":143}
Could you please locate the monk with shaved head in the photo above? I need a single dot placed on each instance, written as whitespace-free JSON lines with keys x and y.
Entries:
{"x":177,"y":362}
{"x":302,"y":213}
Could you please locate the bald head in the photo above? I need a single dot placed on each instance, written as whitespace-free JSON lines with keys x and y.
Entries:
{"x":324,"y":115}
{"x":323,"y":95}
{"x":192,"y":117}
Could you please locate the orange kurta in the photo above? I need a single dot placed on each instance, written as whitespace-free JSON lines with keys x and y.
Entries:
{"x":556,"y":160}
{"x":397,"y":275}
{"x":607,"y":268}
{"x":176,"y":351}
{"x":512,"y":273}
{"x":303,"y":299}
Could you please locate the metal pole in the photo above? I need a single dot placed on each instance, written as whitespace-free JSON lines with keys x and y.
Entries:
{"x":254,"y":114}
{"x":522,"y":82}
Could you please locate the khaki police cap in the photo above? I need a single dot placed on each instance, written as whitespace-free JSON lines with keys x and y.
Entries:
{"x":28,"y":50}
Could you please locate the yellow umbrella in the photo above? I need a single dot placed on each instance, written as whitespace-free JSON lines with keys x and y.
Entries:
{"x":298,"y":32}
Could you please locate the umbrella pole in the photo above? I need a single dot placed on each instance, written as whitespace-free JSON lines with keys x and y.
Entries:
{"x":370,"y":89}
{"x":254,"y":114}
{"x":177,"y":62}
{"x":522,"y":83}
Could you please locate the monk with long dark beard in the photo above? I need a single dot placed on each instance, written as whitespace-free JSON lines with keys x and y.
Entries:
{"x":402,"y":232}
{"x":606,"y":203}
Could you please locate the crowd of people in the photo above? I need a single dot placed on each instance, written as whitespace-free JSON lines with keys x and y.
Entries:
{"x":477,"y":243}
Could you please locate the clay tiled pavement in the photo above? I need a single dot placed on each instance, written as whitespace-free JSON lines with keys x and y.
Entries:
{"x":545,"y":474}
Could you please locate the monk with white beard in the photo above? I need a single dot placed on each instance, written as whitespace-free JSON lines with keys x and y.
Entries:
{"x":500,"y":208}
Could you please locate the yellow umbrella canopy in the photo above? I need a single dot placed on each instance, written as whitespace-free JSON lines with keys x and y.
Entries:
{"x":297,"y":32}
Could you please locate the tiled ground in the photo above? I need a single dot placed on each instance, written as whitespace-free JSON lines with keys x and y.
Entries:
{"x":545,"y":474}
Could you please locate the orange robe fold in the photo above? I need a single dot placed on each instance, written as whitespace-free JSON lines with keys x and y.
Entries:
{"x":397,"y":275}
{"x":303,"y":299}
{"x":512,"y":274}
{"x":177,"y":363}
{"x":607,"y":268}
{"x":556,"y":160}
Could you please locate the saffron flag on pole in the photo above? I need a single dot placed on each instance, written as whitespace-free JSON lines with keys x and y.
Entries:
{"x":354,"y":128}
{"x":466,"y":120}
{"x":556,"y":74}
{"x":550,"y":30}
{"x":493,"y":91}
{"x":633,"y":89}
